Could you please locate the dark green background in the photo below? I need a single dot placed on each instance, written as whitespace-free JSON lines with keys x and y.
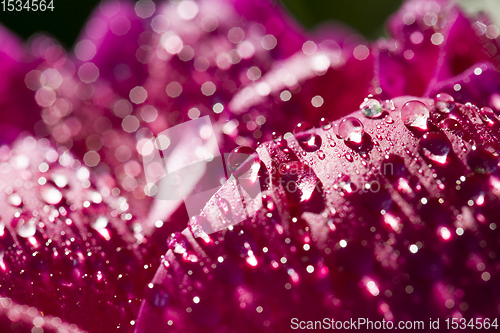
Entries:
{"x":65,"y":22}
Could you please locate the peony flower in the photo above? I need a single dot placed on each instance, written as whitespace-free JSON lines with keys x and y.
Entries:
{"x":386,"y":213}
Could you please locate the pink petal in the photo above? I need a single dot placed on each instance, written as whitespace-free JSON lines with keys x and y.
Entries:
{"x":380,"y":239}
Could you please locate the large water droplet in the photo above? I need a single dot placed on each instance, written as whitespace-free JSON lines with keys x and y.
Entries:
{"x":444,"y":97}
{"x":302,"y":127}
{"x":435,"y":147}
{"x":351,"y":130}
{"x":302,"y":187}
{"x":325,"y":123}
{"x":452,"y":125}
{"x":239,"y":155}
{"x":488,"y":117}
{"x":415,"y":114}
{"x":372,"y":108}
{"x":309,"y":141}
{"x":444,"y":103}
{"x":482,"y":161}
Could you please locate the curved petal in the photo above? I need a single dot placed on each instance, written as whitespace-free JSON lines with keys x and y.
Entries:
{"x":368,"y":230}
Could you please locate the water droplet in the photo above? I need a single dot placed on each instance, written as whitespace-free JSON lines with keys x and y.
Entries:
{"x":482,"y":161}
{"x":452,"y":125}
{"x":302,"y":187}
{"x":348,"y":157}
{"x":415,"y":114}
{"x":351,"y":130}
{"x":444,"y":103}
{"x":371,"y":108}
{"x":436,"y":147}
{"x":388,"y":119}
{"x":302,"y":127}
{"x":309,"y":141}
{"x":321,"y":154}
{"x":444,"y":97}
{"x":325,"y":123}
{"x":346,"y":185}
{"x":281,"y":142}
{"x":488,"y":117}
{"x":243,"y":156}
{"x":331,"y":141}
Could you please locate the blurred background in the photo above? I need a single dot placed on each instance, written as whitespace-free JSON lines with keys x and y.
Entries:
{"x":68,"y":17}
{"x":365,"y":16}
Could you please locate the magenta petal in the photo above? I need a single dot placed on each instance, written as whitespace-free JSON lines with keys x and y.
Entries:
{"x":463,"y":48}
{"x":329,"y":83}
{"x":407,"y":63}
{"x":210,"y":52}
{"x":479,"y":84}
{"x":69,"y":245}
{"x":368,"y":230}
{"x":289,"y":35}
{"x":111,"y":41}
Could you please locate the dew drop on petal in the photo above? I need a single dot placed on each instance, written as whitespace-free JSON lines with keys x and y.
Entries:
{"x":241,"y":156}
{"x":451,"y":125}
{"x":482,"y":161}
{"x":325,"y":123}
{"x":444,"y":103}
{"x":351,"y":130}
{"x":415,"y":114}
{"x":488,"y":116}
{"x":436,"y":147}
{"x":309,"y":141}
{"x":371,"y":107}
{"x":321,"y":154}
{"x":301,"y":127}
